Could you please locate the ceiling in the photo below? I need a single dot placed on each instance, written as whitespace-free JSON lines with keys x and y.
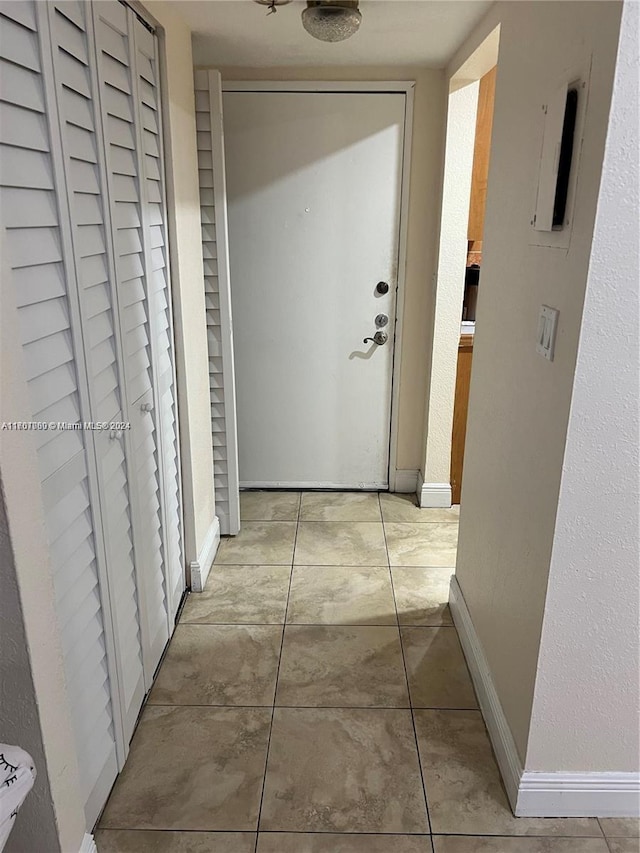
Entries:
{"x":393,"y":32}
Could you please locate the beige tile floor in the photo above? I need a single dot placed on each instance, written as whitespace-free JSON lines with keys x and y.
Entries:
{"x":314,"y":699}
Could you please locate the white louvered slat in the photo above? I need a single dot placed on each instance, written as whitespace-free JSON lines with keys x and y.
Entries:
{"x":19,"y":43}
{"x":217,"y":298}
{"x":30,"y":207}
{"x":21,"y":167}
{"x":22,"y":128}
{"x":43,"y":280}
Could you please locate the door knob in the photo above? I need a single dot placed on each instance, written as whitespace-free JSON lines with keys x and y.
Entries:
{"x":379,"y":338}
{"x":146,"y":407}
{"x":115,"y":434}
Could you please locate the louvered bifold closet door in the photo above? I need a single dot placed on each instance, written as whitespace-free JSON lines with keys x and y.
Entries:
{"x":154,"y":237}
{"x":81,"y":148}
{"x":35,"y":217}
{"x":115,"y":56}
{"x":213,"y":216}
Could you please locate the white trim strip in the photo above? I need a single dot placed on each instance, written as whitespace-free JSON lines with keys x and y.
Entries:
{"x":532,"y":793}
{"x":433,"y":495}
{"x":200,"y":568}
{"x":406,"y":481}
{"x":405,"y":186}
{"x":386,"y":86}
{"x":503,"y":743}
{"x":579,"y":795}
{"x":306,"y":486}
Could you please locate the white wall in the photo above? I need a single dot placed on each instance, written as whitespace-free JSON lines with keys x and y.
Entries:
{"x":447,"y":311}
{"x":586,"y":710}
{"x":187,"y":280}
{"x":519,"y":402}
{"x":426,"y":168}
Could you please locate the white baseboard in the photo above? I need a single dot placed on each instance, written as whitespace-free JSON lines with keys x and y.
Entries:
{"x":307,"y":485}
{"x":503,"y":743}
{"x":531,"y":793}
{"x":201,"y":567}
{"x":88,"y":844}
{"x":579,"y":795}
{"x":433,"y":495}
{"x":406,"y":481}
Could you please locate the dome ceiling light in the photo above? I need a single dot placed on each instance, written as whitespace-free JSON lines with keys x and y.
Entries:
{"x":326,"y":20}
{"x":331,"y":20}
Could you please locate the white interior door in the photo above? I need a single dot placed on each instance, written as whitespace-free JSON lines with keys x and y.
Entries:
{"x":53,"y":228}
{"x":314,"y":185}
{"x":115,"y":34}
{"x":80,"y":138}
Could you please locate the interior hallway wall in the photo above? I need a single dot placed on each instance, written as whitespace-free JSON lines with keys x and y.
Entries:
{"x":452,"y":259}
{"x":426,"y":168}
{"x":187,"y":281}
{"x":519,"y":402}
{"x":587,"y":697}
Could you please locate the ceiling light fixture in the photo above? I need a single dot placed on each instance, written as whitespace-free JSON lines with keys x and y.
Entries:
{"x":331,"y":20}
{"x":273,"y":4}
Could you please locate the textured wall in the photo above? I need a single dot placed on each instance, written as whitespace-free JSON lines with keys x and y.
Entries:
{"x":587,"y":696}
{"x":452,"y":258}
{"x":519,"y":402}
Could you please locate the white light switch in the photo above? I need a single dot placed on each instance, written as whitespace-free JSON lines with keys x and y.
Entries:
{"x":546,"y":339}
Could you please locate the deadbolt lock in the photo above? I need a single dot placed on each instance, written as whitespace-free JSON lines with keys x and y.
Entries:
{"x":381,"y":320}
{"x":382,"y":287}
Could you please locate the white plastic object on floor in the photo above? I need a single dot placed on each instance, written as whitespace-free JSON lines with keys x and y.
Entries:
{"x":17,"y":775}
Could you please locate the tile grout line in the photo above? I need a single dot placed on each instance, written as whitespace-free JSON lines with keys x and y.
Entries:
{"x":606,"y":840}
{"x":306,"y":625}
{"x":355,"y":834}
{"x":275,"y":688}
{"x":321,"y":707}
{"x":406,"y":675}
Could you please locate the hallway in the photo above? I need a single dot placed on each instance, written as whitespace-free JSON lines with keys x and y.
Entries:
{"x":316,"y":691}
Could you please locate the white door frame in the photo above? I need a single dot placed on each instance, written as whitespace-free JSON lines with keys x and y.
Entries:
{"x":406,"y":88}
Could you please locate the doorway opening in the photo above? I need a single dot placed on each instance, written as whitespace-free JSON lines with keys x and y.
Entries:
{"x":461,"y":247}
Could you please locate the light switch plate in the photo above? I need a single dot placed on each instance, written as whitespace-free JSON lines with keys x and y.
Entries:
{"x":546,"y":339}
